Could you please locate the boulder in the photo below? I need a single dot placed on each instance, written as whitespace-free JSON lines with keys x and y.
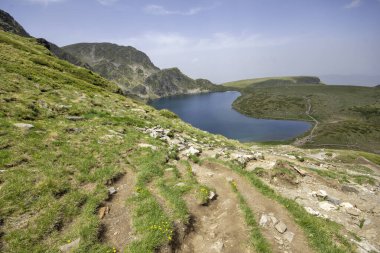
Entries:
{"x":353,"y":211}
{"x":312,"y":211}
{"x":346,"y":205}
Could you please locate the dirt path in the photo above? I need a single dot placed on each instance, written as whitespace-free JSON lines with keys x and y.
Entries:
{"x":219,"y":227}
{"x":309,"y":137}
{"x":117,"y":222}
{"x":260,"y":205}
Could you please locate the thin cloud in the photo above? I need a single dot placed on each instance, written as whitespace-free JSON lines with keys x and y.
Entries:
{"x":162,"y":11}
{"x":173,"y":42}
{"x":45,"y":2}
{"x":353,"y":4}
{"x":107,"y":2}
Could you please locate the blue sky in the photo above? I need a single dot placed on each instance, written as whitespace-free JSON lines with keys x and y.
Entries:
{"x":221,"y":40}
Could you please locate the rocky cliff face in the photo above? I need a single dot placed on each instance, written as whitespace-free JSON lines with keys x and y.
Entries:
{"x":9,"y":24}
{"x":134,"y":72}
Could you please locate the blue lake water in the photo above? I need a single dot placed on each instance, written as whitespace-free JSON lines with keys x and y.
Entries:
{"x":213,"y":112}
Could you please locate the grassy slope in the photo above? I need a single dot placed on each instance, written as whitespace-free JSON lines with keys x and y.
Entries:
{"x":289,"y":80}
{"x":349,"y":116}
{"x":54,"y":177}
{"x":50,"y":194}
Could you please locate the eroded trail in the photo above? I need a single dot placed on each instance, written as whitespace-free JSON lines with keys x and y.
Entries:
{"x":218,"y":227}
{"x":117,"y":222}
{"x":260,"y":205}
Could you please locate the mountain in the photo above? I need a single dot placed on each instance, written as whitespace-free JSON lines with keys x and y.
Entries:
{"x":275,"y":82}
{"x":9,"y":24}
{"x":134,"y":72}
{"x":85,"y":169}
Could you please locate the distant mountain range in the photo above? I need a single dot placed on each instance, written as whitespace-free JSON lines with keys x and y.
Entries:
{"x":129,"y":68}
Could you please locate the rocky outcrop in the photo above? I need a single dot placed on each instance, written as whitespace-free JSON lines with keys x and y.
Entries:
{"x":9,"y":24}
{"x":134,"y":72}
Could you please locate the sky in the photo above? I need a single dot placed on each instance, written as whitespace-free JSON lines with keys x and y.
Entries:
{"x":222,"y":40}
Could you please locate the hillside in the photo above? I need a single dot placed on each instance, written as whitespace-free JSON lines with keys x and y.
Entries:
{"x":85,"y":169}
{"x":9,"y":24}
{"x":274,"y":82}
{"x":134,"y":72}
{"x":343,"y":116}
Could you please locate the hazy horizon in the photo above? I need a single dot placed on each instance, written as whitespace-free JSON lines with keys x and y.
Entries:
{"x":223,"y":40}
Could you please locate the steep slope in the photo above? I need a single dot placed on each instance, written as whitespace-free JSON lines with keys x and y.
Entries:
{"x":134,"y":72}
{"x":9,"y":24}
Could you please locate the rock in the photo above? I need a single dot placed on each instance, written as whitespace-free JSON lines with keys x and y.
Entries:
{"x":346,"y":205}
{"x":273,"y":219}
{"x":333,"y":200}
{"x":192,"y":151}
{"x":212,"y":195}
{"x":353,"y":211}
{"x":218,"y":246}
{"x":327,"y":206}
{"x":23,"y":125}
{"x":180,"y":184}
{"x":347,"y":188}
{"x":71,"y":246}
{"x":73,"y":130}
{"x":111,"y":190}
{"x":312,"y":211}
{"x":288,"y":236}
{"x":280,"y":227}
{"x":321,"y":194}
{"x":243,"y":159}
{"x":74,"y":118}
{"x":145,"y":145}
{"x":365,"y":247}
{"x":103,"y":211}
{"x":229,"y":179}
{"x":263,"y":220}
{"x":210,"y":174}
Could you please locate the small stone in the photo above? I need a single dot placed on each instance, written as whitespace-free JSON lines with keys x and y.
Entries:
{"x":23,"y":125}
{"x":263,"y":220}
{"x":180,"y":184}
{"x":192,"y":151}
{"x":71,"y":246}
{"x":288,"y":236}
{"x":281,"y":227}
{"x":353,"y":211}
{"x":327,"y":206}
{"x":103,"y":211}
{"x":111,"y":190}
{"x":273,"y":219}
{"x":321,"y":194}
{"x":229,"y":179}
{"x":212,"y":195}
{"x":333,"y":200}
{"x":210,"y":174}
{"x":116,"y":233}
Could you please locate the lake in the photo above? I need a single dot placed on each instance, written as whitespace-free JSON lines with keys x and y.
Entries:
{"x":213,"y":113}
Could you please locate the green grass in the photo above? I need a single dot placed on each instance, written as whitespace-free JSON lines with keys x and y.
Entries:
{"x":323,"y":235}
{"x":348,"y":115}
{"x":258,"y":241}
